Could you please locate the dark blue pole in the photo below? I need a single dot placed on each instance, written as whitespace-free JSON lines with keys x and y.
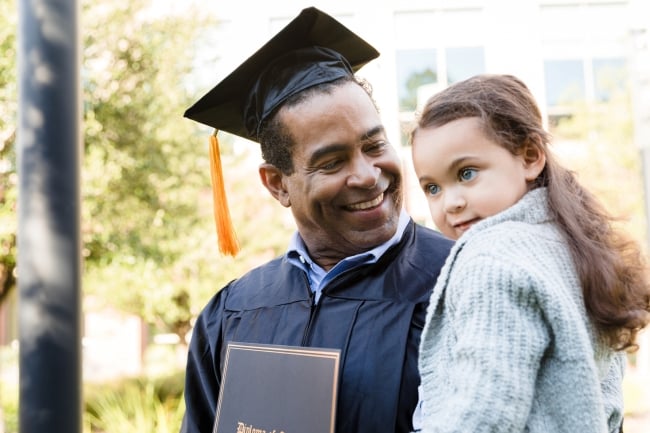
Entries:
{"x":48,"y":217}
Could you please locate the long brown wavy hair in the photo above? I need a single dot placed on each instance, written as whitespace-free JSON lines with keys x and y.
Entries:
{"x":611,"y":268}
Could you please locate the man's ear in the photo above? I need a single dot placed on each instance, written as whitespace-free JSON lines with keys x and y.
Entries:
{"x":534,"y":158}
{"x":273,"y":180}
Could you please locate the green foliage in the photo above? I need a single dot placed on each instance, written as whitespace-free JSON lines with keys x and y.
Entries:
{"x":8,"y":408}
{"x":8,"y":177}
{"x":149,"y":239}
{"x":410,"y":100}
{"x":135,"y":405}
{"x":140,"y":176}
{"x":9,"y":389}
{"x":8,"y":84}
{"x":148,"y":230}
{"x":139,"y":404}
{"x":596,"y":141}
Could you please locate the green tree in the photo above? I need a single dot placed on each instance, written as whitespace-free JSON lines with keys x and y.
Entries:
{"x":597,"y":142}
{"x":410,"y":100}
{"x":8,"y":178}
{"x":149,"y":236}
{"x":140,"y":164}
{"x":149,"y":240}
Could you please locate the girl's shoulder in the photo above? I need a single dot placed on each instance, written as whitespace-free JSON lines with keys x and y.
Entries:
{"x":514,"y":238}
{"x":515,"y":250}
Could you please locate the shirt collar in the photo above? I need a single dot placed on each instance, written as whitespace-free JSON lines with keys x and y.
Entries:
{"x":297,"y":249}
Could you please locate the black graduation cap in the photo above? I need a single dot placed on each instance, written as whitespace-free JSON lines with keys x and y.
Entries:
{"x":313,"y":48}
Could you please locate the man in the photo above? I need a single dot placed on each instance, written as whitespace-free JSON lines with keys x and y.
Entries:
{"x":358,"y":273}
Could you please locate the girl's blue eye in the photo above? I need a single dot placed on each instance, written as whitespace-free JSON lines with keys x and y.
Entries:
{"x":432,"y":189}
{"x":467,"y":174}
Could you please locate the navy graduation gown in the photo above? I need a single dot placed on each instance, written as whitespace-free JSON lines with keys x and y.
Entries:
{"x":374,"y":314}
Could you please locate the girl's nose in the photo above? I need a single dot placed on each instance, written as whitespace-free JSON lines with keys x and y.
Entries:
{"x":454,"y":200}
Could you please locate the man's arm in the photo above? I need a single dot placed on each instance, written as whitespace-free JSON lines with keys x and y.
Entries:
{"x":202,"y":375}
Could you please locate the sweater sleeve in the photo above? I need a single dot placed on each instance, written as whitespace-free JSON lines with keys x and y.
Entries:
{"x":613,"y":392}
{"x":495,"y":335}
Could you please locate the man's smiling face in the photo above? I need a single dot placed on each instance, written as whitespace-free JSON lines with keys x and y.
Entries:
{"x":345,"y":190}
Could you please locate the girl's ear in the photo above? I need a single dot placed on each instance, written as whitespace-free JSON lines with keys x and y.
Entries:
{"x":534,"y":158}
{"x":273,"y":180}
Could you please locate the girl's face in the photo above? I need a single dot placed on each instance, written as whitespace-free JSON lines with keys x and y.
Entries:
{"x":466,"y":176}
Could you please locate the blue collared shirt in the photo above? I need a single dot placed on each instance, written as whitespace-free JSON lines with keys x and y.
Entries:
{"x":319,"y":277}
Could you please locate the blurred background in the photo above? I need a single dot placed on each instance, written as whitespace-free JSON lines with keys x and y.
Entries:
{"x":149,"y":244}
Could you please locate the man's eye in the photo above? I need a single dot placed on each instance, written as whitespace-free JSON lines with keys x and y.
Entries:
{"x":330,"y":165}
{"x":376,"y":147}
{"x":432,"y":189}
{"x":467,"y":174}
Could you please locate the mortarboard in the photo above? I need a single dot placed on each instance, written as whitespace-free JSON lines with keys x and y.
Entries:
{"x":312,"y":49}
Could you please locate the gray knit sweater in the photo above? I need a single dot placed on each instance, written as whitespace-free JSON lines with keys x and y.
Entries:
{"x":507,"y":345}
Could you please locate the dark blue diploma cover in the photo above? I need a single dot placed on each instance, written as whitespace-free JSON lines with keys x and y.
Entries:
{"x":277,"y":389}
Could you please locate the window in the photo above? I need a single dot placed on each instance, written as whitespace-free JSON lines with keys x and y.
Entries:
{"x":564,"y":82}
{"x":583,"y":45}
{"x":464,"y":62}
{"x":571,"y":81}
{"x":414,"y":69}
{"x":436,"y":44}
{"x":417,"y":68}
{"x":610,"y":76}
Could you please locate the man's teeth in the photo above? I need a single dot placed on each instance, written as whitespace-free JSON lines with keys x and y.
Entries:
{"x":367,"y":204}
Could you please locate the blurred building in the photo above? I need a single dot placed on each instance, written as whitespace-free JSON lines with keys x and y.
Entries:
{"x":565,"y":50}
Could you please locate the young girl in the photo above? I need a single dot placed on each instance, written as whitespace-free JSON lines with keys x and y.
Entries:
{"x":540,"y":296}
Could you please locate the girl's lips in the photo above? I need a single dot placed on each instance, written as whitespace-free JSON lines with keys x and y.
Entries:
{"x":465,"y":224}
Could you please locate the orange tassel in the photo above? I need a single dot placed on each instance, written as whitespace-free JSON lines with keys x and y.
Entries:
{"x":228,"y":243}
